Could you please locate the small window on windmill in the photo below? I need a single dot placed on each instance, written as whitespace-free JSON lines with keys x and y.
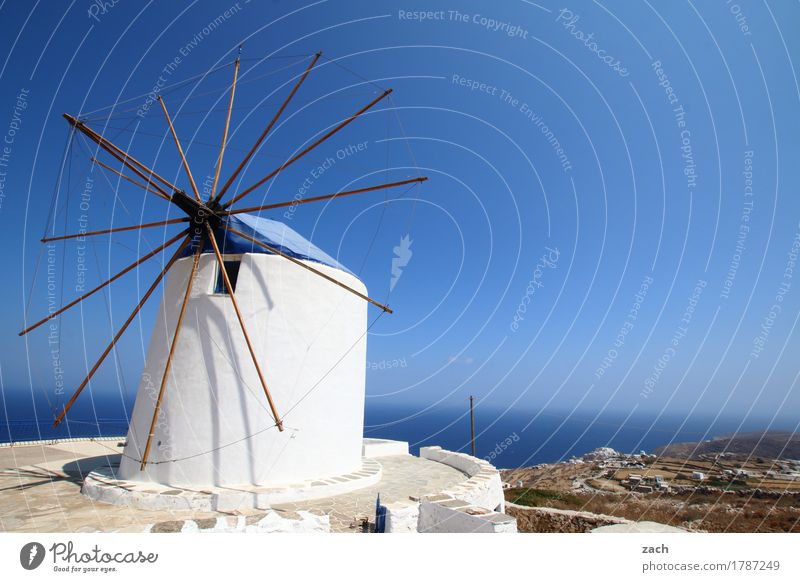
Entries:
{"x":232,"y":268}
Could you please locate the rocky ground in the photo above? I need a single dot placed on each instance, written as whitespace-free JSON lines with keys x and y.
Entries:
{"x":765,"y":499}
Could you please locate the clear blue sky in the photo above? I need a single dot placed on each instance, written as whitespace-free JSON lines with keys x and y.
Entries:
{"x":615,"y":134}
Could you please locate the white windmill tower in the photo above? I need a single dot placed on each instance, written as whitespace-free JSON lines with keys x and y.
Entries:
{"x":256,"y":368}
{"x":215,"y":425}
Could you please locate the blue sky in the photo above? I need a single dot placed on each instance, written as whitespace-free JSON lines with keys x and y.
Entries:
{"x":608,"y":224}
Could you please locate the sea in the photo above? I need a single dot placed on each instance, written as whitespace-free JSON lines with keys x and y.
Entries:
{"x":508,"y":438}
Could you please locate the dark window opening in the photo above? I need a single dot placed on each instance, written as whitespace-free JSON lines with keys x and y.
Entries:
{"x":232,"y":268}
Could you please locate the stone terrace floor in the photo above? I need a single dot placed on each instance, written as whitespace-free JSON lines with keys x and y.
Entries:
{"x":40,"y":491}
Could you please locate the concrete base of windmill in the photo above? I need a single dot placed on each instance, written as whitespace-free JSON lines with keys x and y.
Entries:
{"x":103,"y":485}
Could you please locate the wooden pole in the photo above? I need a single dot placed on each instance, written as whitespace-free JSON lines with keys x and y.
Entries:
{"x":118,"y":229}
{"x":225,"y":132}
{"x":286,"y":164}
{"x":325,"y":197}
{"x":180,"y":149}
{"x":127,"y":163}
{"x":125,"y":325}
{"x":229,"y":287}
{"x":131,"y":180}
{"x":472,"y":422}
{"x":111,"y":280}
{"x":161,"y":192}
{"x":172,"y":347}
{"x":263,"y":135}
{"x":121,"y":154}
{"x":312,"y":269}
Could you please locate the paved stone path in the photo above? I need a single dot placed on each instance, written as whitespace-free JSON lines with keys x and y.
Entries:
{"x":403,"y":477}
{"x":40,"y":491}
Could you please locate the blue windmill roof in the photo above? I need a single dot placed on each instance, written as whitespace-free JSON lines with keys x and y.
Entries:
{"x":271,"y":232}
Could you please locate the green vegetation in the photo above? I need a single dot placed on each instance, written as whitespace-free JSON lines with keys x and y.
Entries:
{"x":543,"y":498}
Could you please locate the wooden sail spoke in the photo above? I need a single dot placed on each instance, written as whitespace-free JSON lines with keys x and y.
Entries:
{"x":229,"y":287}
{"x":135,"y":165}
{"x":268,"y":129}
{"x":225,"y":131}
{"x":121,"y":331}
{"x":129,"y":179}
{"x":180,"y":149}
{"x":308,"y":267}
{"x":120,"y":158}
{"x":150,"y":184}
{"x":108,"y":282}
{"x":118,"y":229}
{"x":297,"y":201}
{"x":292,"y":160}
{"x":172,"y":347}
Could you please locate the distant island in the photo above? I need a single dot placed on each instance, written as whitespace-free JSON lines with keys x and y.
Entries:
{"x":773,"y":444}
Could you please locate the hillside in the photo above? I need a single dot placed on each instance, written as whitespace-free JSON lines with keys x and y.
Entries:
{"x":770,"y":444}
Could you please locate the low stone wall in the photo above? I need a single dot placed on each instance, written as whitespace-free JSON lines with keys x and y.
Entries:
{"x":472,"y":506}
{"x":376,"y":448}
{"x":484,"y":488}
{"x":548,"y":520}
{"x":756,"y":493}
{"x":102,"y":485}
{"x":444,"y":514}
{"x":269,"y":522}
{"x":47,"y":442}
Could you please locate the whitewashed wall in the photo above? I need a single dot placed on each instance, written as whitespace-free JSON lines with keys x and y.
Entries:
{"x":301,"y":326}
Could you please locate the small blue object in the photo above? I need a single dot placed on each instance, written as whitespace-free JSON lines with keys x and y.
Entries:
{"x":380,"y":516}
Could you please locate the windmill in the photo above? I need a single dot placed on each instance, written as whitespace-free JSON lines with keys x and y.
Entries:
{"x":268,"y":256}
